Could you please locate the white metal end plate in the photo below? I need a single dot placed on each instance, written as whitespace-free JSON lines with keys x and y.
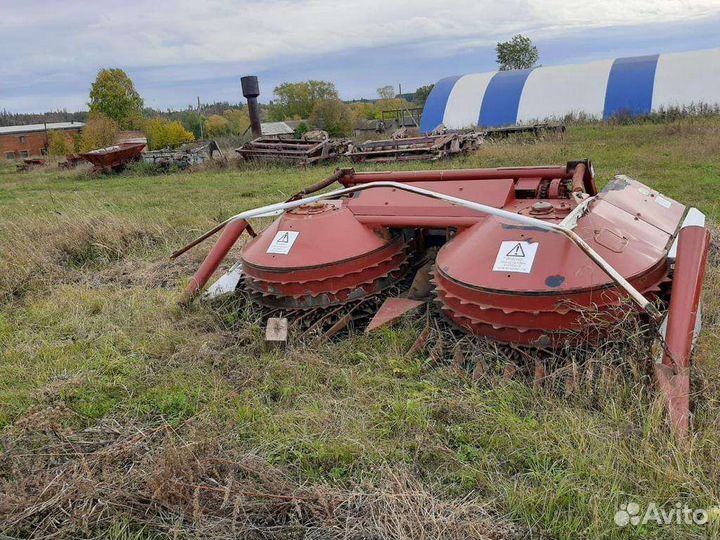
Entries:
{"x":227,"y":283}
{"x":694,"y":218}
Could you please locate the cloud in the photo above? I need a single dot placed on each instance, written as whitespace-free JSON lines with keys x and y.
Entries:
{"x":54,"y":43}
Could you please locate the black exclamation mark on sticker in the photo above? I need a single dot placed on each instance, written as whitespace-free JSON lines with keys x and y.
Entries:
{"x":516,"y":251}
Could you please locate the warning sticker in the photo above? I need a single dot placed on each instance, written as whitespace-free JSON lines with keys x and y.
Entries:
{"x":662,"y":201}
{"x":515,"y":257}
{"x":282,"y":242}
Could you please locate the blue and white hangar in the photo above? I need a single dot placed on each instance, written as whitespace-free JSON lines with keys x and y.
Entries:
{"x":636,"y":85}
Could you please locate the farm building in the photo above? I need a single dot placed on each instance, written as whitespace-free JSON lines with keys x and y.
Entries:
{"x":17,"y":142}
{"x":637,"y":85}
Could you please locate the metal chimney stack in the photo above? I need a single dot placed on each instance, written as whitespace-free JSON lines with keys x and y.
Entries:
{"x":251,"y":90}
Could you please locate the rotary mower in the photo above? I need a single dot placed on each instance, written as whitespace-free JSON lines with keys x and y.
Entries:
{"x":517,"y":256}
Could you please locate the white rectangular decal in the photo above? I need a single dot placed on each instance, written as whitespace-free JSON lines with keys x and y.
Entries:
{"x":662,"y":201}
{"x":282,"y":242}
{"x":515,"y":256}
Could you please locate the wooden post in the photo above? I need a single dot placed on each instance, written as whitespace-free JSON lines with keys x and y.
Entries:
{"x":276,"y":333}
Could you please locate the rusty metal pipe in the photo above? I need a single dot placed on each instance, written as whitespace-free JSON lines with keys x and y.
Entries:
{"x":459,"y":174}
{"x":198,"y":240}
{"x":673,"y":372}
{"x":578,"y":178}
{"x":217,"y":254}
{"x":330,"y":180}
{"x":251,"y":91}
{"x":207,"y":235}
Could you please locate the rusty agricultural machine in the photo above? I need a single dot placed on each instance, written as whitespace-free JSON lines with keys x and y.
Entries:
{"x":31,"y":163}
{"x":314,"y":147}
{"x":535,"y":130}
{"x":514,"y":255}
{"x":184,"y":157}
{"x":423,"y":148}
{"x":114,"y":158}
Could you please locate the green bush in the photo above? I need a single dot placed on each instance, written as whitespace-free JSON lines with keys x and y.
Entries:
{"x":239,"y":120}
{"x":60,"y":144}
{"x":333,"y":116}
{"x":217,"y":126}
{"x":163,"y":133}
{"x":363,"y":111}
{"x":297,"y":100}
{"x":100,"y":131}
{"x":301,"y":130}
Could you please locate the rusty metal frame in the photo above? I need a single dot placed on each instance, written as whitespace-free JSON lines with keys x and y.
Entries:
{"x":423,"y":148}
{"x":300,"y":151}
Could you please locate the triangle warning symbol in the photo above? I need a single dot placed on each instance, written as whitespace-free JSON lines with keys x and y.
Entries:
{"x":285,"y":239}
{"x":516,"y":251}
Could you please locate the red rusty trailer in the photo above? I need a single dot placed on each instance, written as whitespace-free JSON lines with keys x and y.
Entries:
{"x":516,"y":255}
{"x":114,"y":158}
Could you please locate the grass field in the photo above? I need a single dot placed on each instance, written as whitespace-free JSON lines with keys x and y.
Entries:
{"x":127,"y":416}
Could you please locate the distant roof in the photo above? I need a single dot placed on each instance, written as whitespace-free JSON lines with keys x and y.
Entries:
{"x":40,"y":127}
{"x":276,"y":128}
{"x":129,"y":137}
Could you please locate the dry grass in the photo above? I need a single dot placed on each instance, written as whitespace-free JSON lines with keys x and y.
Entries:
{"x":56,"y":248}
{"x":182,"y":483}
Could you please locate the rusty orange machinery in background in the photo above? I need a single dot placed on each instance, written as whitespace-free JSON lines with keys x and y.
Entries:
{"x":114,"y":158}
{"x":518,"y":255}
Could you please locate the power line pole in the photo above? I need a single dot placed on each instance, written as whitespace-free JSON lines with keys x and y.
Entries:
{"x":202,"y":137}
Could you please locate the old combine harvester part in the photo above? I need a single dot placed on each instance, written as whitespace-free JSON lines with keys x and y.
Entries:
{"x":183,"y":157}
{"x":30,"y":163}
{"x":532,"y":129}
{"x":422,"y":148}
{"x":114,"y":158}
{"x":515,"y":255}
{"x":313,"y":147}
{"x":71,"y":161}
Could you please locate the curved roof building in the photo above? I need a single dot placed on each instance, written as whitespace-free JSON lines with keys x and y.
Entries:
{"x":637,"y":85}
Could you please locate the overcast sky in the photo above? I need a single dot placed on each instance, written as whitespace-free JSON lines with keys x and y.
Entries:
{"x":175,"y":51}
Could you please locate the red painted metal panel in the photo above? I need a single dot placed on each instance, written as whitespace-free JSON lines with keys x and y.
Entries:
{"x":558,"y":266}
{"x":324,"y":237}
{"x":393,"y":202}
{"x":643,"y":202}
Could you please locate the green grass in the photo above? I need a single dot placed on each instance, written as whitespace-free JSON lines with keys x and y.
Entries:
{"x":89,"y":324}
